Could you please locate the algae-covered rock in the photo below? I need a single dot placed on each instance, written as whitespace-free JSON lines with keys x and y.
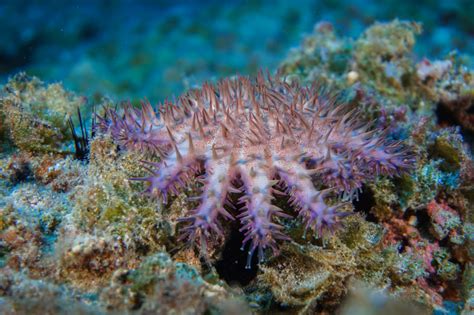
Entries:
{"x":323,"y":58}
{"x":20,"y":294}
{"x":34,"y":115}
{"x":383,"y":57}
{"x":87,"y":261}
{"x":161,"y":286}
{"x":381,"y":63}
{"x":442,"y":164}
{"x":309,"y":278}
{"x":157,"y":286}
{"x":109,"y":201}
{"x":364,"y":300}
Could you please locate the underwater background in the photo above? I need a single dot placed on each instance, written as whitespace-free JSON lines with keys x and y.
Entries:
{"x":119,"y":126}
{"x":133,"y":49}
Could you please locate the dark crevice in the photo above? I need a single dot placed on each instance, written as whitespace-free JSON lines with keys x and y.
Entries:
{"x":445,"y":116}
{"x":457,"y":113}
{"x":365,"y":203}
{"x":404,"y":243}
{"x":423,"y":221}
{"x":231,"y":266}
{"x":445,"y":242}
{"x":19,"y":171}
{"x":470,"y":109}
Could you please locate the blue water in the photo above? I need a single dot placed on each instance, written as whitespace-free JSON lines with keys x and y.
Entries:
{"x":133,"y":49}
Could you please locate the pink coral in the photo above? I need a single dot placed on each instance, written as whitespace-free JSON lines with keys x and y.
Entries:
{"x":260,"y":139}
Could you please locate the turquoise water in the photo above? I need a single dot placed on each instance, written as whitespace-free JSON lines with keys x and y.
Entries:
{"x":133,"y":49}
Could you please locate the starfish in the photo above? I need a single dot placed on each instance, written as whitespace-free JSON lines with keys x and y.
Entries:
{"x":258,"y":138}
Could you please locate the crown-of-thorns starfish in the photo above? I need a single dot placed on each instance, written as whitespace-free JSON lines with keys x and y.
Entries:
{"x":257,"y":138}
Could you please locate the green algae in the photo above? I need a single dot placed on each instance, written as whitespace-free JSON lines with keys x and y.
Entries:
{"x":110,"y":201}
{"x":35,"y":114}
{"x":160,"y":285}
{"x":307,"y":275}
{"x":443,"y":149}
{"x":382,"y":55}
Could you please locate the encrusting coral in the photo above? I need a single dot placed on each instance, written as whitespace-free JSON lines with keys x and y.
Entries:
{"x":258,"y":139}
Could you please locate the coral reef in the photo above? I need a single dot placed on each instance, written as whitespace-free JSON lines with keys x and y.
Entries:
{"x":426,"y":214}
{"x":109,"y":202}
{"x":268,"y":163}
{"x":160,"y":286}
{"x":22,"y":295}
{"x":309,"y":277}
{"x":384,"y":77}
{"x":157,"y":286}
{"x":35,"y":115}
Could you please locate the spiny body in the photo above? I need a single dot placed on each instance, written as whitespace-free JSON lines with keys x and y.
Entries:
{"x":258,"y":138}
